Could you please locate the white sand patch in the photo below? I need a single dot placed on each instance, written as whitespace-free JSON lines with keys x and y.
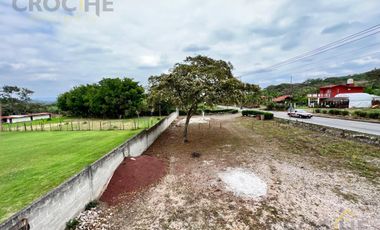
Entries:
{"x":243,"y":183}
{"x":195,"y":120}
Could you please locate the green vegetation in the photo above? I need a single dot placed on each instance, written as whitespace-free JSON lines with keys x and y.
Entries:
{"x":267,"y":116}
{"x":358,"y":157}
{"x":16,"y":100}
{"x":110,"y":98}
{"x":33,"y":163}
{"x":370,"y":80}
{"x":196,"y":81}
{"x":360,"y":113}
{"x":72,"y":224}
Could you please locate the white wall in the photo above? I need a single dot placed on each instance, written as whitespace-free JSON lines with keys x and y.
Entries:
{"x":40,"y":117}
{"x":53,"y":210}
{"x":21,"y":119}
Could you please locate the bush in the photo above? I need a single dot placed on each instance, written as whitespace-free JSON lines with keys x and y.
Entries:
{"x":345,"y":113}
{"x":324,"y":111}
{"x":267,"y":116}
{"x":317,"y":111}
{"x":374,"y":115}
{"x":72,"y":224}
{"x":276,"y":107}
{"x":91,"y":205}
{"x":221,"y":111}
{"x":359,"y":113}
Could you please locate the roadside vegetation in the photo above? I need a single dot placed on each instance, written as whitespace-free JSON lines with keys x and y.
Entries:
{"x":355,"y":113}
{"x":361,"y":158}
{"x":33,"y":163}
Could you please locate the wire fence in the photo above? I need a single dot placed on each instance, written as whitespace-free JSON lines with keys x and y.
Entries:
{"x":82,"y":125}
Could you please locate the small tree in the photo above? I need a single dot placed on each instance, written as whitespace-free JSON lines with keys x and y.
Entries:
{"x":198,"y":80}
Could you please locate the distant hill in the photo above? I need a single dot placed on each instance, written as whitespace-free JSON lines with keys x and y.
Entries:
{"x":370,"y":80}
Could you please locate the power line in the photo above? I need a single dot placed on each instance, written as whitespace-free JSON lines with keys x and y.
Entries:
{"x":333,"y":45}
{"x":329,"y":57}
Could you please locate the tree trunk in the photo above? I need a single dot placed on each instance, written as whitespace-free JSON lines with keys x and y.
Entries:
{"x":185,"y":131}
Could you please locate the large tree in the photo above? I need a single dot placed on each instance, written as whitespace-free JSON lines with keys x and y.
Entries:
{"x":112,"y":98}
{"x":198,"y":80}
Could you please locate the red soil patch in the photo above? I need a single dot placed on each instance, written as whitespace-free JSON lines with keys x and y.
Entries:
{"x":133,"y":175}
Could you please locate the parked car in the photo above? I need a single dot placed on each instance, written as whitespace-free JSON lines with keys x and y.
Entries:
{"x":299,"y":113}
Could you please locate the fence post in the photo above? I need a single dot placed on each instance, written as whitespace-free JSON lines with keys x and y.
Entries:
{"x":24,"y":127}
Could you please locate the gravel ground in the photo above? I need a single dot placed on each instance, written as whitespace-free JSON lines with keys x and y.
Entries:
{"x":300,"y":194}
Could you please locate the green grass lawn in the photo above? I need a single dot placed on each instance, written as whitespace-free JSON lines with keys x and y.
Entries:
{"x":33,"y":163}
{"x":77,"y":124}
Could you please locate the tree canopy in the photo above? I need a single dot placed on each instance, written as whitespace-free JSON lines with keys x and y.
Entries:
{"x":198,"y":80}
{"x":111,"y":98}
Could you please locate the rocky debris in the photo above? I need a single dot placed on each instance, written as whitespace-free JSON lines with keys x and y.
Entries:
{"x":95,"y":218}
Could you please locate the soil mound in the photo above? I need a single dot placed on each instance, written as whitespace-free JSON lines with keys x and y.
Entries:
{"x":133,"y":175}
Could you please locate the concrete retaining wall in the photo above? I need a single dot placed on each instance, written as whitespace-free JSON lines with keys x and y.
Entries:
{"x":53,"y":210}
{"x":347,"y":134}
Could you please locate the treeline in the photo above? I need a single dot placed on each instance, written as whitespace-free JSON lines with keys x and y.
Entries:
{"x":17,"y":100}
{"x":110,"y":98}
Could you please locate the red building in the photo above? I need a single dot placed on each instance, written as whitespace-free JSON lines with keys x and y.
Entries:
{"x":333,"y":90}
{"x":330,"y":91}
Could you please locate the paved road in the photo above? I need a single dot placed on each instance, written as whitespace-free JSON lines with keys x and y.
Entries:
{"x":358,"y":126}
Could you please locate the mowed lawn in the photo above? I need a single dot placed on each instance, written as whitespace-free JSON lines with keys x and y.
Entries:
{"x":33,"y":163}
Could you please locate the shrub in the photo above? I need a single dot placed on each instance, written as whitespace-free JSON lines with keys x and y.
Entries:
{"x":267,"y":116}
{"x":72,"y":224}
{"x":91,"y":205}
{"x":221,"y":111}
{"x":345,"y":113}
{"x":359,"y":113}
{"x":324,"y":111}
{"x":270,"y":106}
{"x":331,"y":112}
{"x":317,"y":111}
{"x":374,"y":115}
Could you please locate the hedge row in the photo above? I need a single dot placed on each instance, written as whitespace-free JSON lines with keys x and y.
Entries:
{"x":267,"y":116}
{"x":358,"y":113}
{"x":333,"y":112}
{"x":364,"y":114}
{"x":221,"y":111}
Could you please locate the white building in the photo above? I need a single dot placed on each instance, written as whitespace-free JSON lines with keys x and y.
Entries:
{"x":25,"y":118}
{"x":357,"y":100}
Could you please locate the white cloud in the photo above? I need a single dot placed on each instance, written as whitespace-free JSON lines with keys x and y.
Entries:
{"x":142,"y":37}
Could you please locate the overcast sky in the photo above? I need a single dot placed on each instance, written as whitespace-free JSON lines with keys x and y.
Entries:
{"x":52,"y":52}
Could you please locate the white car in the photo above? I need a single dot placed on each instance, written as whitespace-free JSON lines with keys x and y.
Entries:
{"x":299,"y":113}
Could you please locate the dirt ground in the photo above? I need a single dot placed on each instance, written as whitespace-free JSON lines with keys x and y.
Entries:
{"x":304,"y":190}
